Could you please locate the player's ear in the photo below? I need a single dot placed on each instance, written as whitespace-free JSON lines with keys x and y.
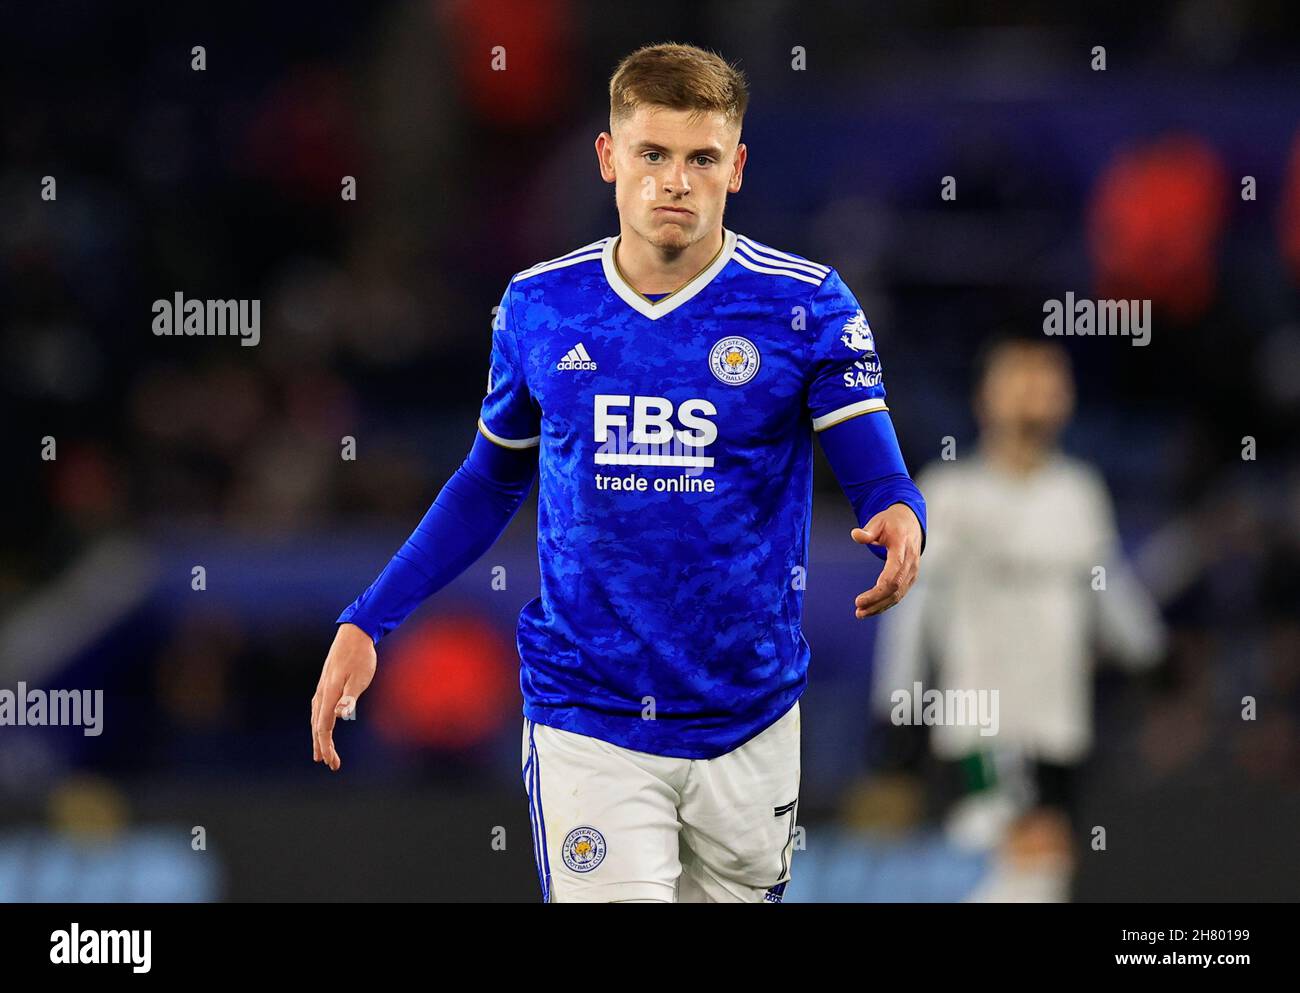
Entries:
{"x":738,"y":169}
{"x":605,"y":155}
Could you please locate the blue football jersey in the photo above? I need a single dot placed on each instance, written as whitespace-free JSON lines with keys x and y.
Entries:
{"x":675,"y":490}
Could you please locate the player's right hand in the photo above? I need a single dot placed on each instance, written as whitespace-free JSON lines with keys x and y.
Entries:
{"x":349,"y":668}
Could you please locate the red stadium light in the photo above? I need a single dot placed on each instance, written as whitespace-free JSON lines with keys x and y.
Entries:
{"x":1154,"y":225}
{"x":449,"y":683}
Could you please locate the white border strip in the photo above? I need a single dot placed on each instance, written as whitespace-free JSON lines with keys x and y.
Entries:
{"x":844,"y":413}
{"x":758,"y":249}
{"x":508,"y":442}
{"x":755,"y":267}
{"x":652,"y":458}
{"x":668,"y":304}
{"x":551,"y":266}
{"x":807,"y":267}
{"x":594,"y":246}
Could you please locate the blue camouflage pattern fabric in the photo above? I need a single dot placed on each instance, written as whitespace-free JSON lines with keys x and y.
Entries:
{"x":675,"y":488}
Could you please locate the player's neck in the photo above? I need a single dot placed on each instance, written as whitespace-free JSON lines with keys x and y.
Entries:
{"x":648,"y":269}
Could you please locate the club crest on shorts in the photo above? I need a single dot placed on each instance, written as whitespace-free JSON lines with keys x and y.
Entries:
{"x":734,"y":360}
{"x":584,"y":849}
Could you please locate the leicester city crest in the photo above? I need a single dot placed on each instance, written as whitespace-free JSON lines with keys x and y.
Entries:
{"x":584,"y":849}
{"x":734,"y":360}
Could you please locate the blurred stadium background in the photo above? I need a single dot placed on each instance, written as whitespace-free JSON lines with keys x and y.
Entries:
{"x":177,"y":452}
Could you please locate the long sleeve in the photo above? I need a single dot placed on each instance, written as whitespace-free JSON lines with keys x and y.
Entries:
{"x":864,"y":455}
{"x":466,"y":518}
{"x":1129,"y":628}
{"x":846,"y":405}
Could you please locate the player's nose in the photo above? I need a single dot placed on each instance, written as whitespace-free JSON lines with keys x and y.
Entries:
{"x":677,"y":183}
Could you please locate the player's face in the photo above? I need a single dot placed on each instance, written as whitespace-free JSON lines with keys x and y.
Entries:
{"x":1029,"y":392}
{"x":672,"y":171}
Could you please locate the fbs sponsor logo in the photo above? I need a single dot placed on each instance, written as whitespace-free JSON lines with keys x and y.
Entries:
{"x":576,"y":358}
{"x":654,"y":436}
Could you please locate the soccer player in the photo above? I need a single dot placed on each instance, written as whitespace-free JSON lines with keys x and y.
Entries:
{"x":1041,"y":524}
{"x":666,"y":382}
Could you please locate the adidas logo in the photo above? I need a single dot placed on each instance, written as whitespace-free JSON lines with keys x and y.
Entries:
{"x":576,"y":358}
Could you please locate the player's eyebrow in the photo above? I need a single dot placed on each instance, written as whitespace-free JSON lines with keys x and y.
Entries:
{"x":650,"y":146}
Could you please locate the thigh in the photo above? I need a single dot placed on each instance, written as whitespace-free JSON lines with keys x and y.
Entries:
{"x":738,"y":819}
{"x":604,"y":818}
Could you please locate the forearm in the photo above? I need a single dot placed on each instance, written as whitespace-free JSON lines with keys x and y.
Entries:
{"x":863,"y":453}
{"x":465,"y":519}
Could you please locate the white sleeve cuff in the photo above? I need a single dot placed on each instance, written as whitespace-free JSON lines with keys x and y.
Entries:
{"x":844,"y":413}
{"x":508,"y":442}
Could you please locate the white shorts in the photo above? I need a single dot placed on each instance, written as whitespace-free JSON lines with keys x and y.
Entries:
{"x":610,"y":823}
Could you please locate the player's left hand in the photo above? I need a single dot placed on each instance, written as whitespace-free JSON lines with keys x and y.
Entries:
{"x":897,"y":528}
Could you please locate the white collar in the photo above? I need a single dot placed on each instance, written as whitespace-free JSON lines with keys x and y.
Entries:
{"x":665,"y":305}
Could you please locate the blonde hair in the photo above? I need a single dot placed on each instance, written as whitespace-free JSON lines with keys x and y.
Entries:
{"x":679,"y":77}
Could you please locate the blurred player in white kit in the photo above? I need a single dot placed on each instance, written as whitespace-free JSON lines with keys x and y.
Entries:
{"x":1025,"y":588}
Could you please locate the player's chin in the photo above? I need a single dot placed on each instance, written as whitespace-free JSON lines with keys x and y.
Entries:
{"x":673,"y":226}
